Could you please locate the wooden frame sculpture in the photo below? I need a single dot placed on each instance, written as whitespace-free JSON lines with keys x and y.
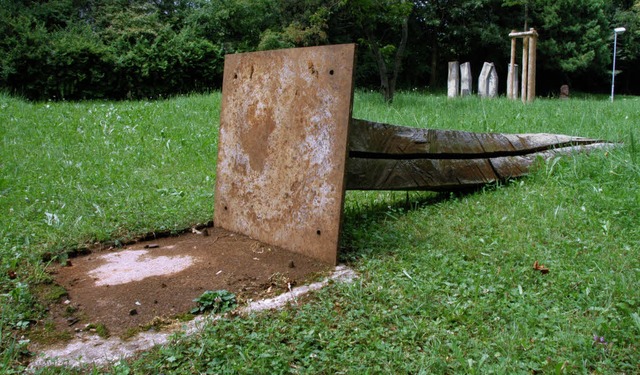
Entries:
{"x":528,"y":81}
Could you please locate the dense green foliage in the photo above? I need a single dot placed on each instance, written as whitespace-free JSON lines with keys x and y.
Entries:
{"x":446,"y":281}
{"x":74,"y":49}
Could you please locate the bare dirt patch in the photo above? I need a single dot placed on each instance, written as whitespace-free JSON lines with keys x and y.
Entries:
{"x":137,"y":286}
{"x":88,"y":348}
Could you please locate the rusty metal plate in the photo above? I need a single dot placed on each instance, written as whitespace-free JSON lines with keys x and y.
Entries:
{"x":283,"y":147}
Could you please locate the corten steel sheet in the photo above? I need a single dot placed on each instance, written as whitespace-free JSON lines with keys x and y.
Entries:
{"x":283,"y":147}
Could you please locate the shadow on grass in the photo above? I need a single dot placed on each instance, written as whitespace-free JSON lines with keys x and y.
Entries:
{"x":368,"y":217}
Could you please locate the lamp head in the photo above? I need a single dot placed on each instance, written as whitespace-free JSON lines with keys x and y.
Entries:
{"x":619,"y":30}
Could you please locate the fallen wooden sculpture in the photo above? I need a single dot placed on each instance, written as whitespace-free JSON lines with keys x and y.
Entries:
{"x":288,"y":149}
{"x":391,"y":157}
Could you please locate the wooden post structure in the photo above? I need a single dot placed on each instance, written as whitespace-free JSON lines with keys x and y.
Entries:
{"x":511,"y":91}
{"x":525,"y":69}
{"x":466,"y":81}
{"x":289,"y":148}
{"x":529,"y":46}
{"x":531,"y":69}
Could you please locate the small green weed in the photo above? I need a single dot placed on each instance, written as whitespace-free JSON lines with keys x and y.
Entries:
{"x":217,"y":301}
{"x":50,"y":292}
{"x":100,"y":329}
{"x":129,"y":333}
{"x":47,"y":334}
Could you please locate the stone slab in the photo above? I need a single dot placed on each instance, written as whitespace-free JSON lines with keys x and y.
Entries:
{"x":453,"y":79}
{"x":483,"y":80}
{"x":492,"y":90}
{"x":466,"y":81}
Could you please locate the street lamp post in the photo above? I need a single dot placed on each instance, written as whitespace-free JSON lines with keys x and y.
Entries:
{"x":616,"y":31}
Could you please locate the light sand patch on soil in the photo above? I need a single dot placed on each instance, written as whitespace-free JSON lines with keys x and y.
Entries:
{"x":126,"y":289}
{"x":135,"y":265}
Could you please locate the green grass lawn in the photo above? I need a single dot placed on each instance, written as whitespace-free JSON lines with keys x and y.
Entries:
{"x":446,"y":280}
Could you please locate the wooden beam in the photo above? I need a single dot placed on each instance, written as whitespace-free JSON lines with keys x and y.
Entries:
{"x":525,"y":69}
{"x":389,"y":157}
{"x":523,"y":34}
{"x":531,"y":71}
{"x":512,"y":90}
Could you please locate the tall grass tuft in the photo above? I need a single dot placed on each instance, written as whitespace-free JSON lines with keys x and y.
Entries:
{"x":633,"y":147}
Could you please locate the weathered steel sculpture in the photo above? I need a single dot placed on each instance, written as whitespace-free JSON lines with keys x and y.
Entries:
{"x":288,"y":149}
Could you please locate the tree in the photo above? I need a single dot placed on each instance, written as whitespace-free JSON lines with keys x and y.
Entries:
{"x":570,"y":47}
{"x":524,"y":4}
{"x":76,"y":49}
{"x":111,"y":48}
{"x":233,"y":25}
{"x":47,"y":52}
{"x":571,"y":39}
{"x":434,"y":17}
{"x":305,"y":28}
{"x":455,"y":29}
{"x":627,"y":14}
{"x":385,"y":25}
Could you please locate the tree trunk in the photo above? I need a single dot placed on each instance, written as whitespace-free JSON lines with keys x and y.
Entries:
{"x":388,"y":85}
{"x":397,"y":63}
{"x":382,"y":66}
{"x":434,"y":62}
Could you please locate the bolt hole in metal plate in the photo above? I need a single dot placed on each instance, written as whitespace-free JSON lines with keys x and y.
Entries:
{"x":283,"y":147}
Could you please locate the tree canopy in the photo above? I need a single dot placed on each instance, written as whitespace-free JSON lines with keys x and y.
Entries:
{"x":75,"y":49}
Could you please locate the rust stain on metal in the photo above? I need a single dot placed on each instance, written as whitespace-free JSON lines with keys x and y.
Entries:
{"x":283,"y":147}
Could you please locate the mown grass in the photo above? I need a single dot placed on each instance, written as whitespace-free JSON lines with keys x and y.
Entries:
{"x":77,"y":173}
{"x":446,"y":286}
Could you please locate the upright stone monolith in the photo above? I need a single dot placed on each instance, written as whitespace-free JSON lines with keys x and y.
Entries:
{"x":564,"y":92}
{"x":453,"y":82}
{"x":466,"y":84}
{"x":483,"y":80}
{"x":493,"y":82}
